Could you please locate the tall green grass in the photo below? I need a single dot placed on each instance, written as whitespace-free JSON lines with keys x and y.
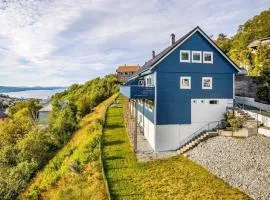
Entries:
{"x":173,"y":178}
{"x":74,"y":173}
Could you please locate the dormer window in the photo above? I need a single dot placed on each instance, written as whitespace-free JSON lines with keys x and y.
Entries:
{"x":184,"y":56}
{"x":208,"y":57}
{"x":196,"y":56}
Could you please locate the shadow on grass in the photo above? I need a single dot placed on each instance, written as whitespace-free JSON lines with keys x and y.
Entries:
{"x":115,"y":158}
{"x":113,"y":126}
{"x":115,"y":142}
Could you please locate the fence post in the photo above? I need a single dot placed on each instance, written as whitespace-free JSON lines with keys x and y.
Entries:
{"x":257,"y":123}
{"x":136,"y":127}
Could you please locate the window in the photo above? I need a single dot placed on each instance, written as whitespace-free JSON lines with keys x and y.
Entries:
{"x":208,"y":57}
{"x":185,"y":82}
{"x":141,"y":82}
{"x":213,"y":102}
{"x":196,"y":56}
{"x":148,"y":82}
{"x":207,"y":83}
{"x":126,"y":73}
{"x":184,"y":56}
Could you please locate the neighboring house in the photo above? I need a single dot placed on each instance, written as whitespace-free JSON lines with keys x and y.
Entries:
{"x":3,"y":114}
{"x":254,"y":45}
{"x":44,"y":113}
{"x":184,"y":89}
{"x":124,"y":72}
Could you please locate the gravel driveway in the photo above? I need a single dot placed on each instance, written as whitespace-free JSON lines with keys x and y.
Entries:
{"x":243,"y":163}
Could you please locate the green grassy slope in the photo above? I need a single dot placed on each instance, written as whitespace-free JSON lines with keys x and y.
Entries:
{"x":75,"y":171}
{"x":174,"y":178}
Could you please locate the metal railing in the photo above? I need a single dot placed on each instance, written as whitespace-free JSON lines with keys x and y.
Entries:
{"x":208,"y":127}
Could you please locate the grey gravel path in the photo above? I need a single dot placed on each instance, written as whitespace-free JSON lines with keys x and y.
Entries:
{"x":243,"y":163}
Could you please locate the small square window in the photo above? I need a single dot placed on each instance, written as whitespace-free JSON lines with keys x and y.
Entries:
{"x":207,"y":83}
{"x":196,"y":56}
{"x":208,"y":57}
{"x":213,"y":102}
{"x":184,"y":56}
{"x":185,"y":82}
{"x":141,"y":82}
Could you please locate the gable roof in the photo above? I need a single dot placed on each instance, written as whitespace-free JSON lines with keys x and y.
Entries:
{"x":126,"y":68}
{"x":163,"y":54}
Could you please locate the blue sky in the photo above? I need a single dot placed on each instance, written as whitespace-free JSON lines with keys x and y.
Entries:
{"x":60,"y":42}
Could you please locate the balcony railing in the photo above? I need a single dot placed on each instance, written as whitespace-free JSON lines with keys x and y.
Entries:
{"x":138,"y":92}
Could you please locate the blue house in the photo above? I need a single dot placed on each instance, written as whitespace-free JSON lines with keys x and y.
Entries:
{"x":182,"y":90}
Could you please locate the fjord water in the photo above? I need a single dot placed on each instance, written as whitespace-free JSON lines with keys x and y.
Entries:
{"x":38,"y":94}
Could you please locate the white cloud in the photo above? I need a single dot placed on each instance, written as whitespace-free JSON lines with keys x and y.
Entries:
{"x":48,"y":42}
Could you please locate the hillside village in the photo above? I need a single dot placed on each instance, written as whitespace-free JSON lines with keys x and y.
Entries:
{"x":193,"y":122}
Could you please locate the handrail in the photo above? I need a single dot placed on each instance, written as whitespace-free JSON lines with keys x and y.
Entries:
{"x":199,"y":131}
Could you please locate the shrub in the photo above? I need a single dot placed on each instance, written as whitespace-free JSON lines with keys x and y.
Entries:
{"x":236,"y":122}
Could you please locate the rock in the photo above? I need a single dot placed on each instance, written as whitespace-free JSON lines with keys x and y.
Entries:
{"x":243,"y":163}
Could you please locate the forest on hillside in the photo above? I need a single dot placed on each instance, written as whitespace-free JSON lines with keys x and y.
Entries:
{"x":25,"y":147}
{"x":236,"y":46}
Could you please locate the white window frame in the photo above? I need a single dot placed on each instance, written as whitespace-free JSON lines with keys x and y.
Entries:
{"x":211,"y":83}
{"x":208,"y":62}
{"x":196,"y":61}
{"x":141,"y":82}
{"x":148,"y":82}
{"x":185,"y":51}
{"x":185,"y":87}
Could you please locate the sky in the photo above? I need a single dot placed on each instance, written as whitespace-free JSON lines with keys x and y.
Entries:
{"x":60,"y":42}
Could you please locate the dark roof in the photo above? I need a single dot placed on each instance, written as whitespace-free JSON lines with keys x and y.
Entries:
{"x":152,"y":61}
{"x":163,"y":53}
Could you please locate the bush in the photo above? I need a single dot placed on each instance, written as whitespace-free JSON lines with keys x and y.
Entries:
{"x":263,"y":94}
{"x":83,"y":149}
{"x":25,"y":147}
{"x":235,"y":122}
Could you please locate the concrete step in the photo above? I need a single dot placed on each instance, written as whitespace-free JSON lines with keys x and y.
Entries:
{"x":191,"y":144}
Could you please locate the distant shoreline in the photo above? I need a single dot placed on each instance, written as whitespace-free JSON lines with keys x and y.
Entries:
{"x":33,"y":94}
{"x":7,"y":89}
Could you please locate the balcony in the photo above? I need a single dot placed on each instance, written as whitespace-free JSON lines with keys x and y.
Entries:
{"x":138,"y":92}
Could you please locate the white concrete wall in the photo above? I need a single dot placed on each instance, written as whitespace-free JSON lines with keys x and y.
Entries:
{"x":169,"y":137}
{"x":202,"y":111}
{"x":251,"y":102}
{"x":264,"y":132}
{"x":261,"y":118}
{"x":148,"y":129}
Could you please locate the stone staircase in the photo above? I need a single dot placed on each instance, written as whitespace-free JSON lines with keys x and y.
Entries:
{"x":193,"y":142}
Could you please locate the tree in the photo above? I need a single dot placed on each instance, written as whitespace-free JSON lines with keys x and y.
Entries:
{"x":224,"y":43}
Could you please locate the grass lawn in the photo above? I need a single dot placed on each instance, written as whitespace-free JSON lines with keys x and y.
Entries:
{"x":174,"y":178}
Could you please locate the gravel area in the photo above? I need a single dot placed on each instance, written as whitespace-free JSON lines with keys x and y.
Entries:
{"x":243,"y":163}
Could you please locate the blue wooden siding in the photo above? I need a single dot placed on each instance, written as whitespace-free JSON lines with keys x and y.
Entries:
{"x":138,"y":92}
{"x":174,"y":104}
